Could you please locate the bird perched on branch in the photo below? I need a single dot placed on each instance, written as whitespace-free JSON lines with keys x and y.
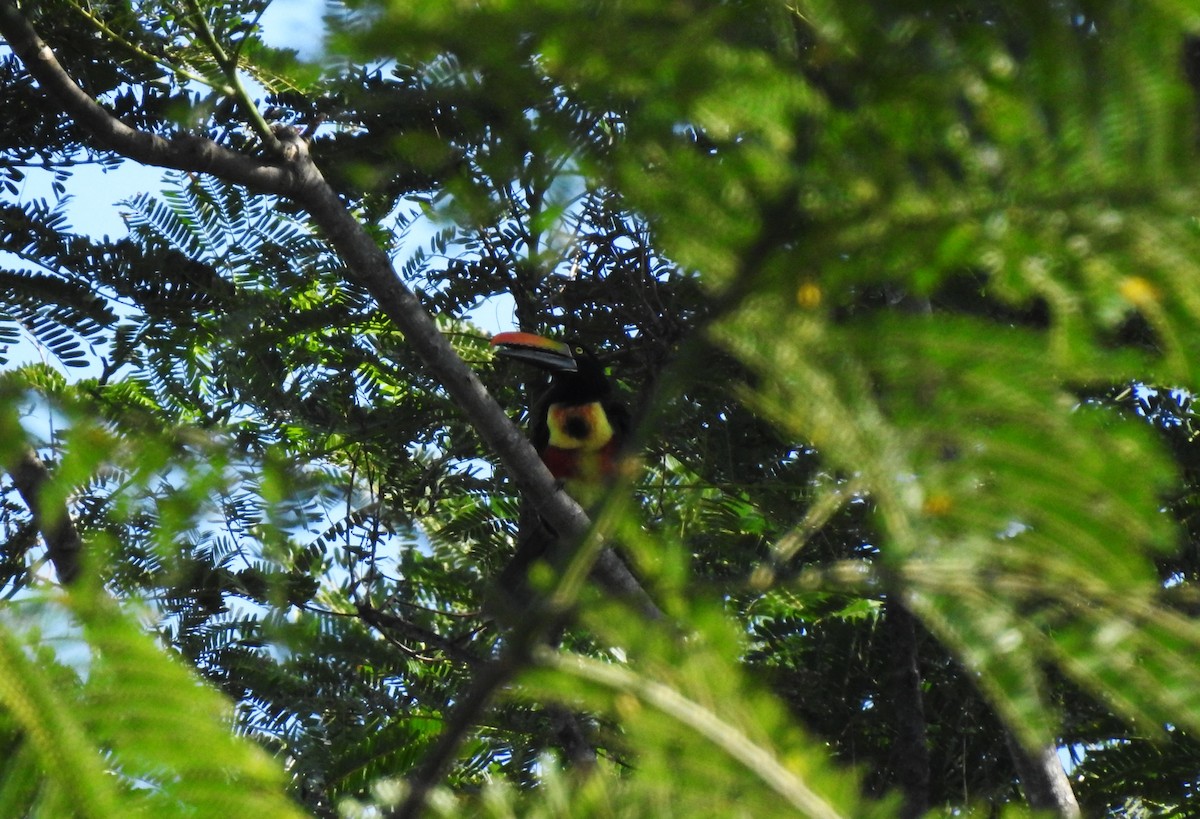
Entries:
{"x":579,"y":430}
{"x":577,"y":427}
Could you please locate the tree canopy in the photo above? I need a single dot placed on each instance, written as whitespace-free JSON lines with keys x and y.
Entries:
{"x":903,"y":298}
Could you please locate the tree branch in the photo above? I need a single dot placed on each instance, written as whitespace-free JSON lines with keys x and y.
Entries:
{"x":464,"y":716}
{"x":295,"y":176}
{"x":62,"y":540}
{"x":181,"y":152}
{"x":229,"y":65}
{"x":1046,"y":785}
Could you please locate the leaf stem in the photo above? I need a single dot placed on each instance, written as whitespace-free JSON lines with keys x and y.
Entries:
{"x":229,"y":65}
{"x":136,"y":49}
{"x":757,"y":759}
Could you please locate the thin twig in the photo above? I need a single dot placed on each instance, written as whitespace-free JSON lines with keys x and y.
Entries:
{"x":137,"y":50}
{"x":757,"y":758}
{"x":229,"y":65}
{"x":385,"y":622}
{"x":819,"y":513}
{"x":466,"y":714}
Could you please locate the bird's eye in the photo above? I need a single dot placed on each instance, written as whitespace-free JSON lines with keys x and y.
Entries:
{"x":579,"y":351}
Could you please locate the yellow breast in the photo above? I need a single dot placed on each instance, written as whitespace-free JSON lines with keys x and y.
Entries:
{"x":579,"y":426}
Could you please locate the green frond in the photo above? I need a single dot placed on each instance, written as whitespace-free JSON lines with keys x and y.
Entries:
{"x":903,"y":295}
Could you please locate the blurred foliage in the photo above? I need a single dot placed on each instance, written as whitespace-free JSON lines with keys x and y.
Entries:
{"x":903,"y":296}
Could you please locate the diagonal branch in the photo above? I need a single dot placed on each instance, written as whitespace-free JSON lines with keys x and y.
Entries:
{"x":294,"y":175}
{"x":229,"y":65}
{"x":1046,"y":785}
{"x":29,"y":476}
{"x":703,"y":719}
{"x":181,"y":152}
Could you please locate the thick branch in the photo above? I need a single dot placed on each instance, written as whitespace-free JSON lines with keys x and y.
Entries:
{"x":182,"y":152}
{"x":1045,"y":782}
{"x":296,"y":177}
{"x":30,"y":475}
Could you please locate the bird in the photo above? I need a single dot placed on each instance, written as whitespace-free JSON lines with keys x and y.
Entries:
{"x":578,"y":426}
{"x":580,"y":431}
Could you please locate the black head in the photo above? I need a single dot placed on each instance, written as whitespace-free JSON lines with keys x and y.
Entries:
{"x":576,"y":375}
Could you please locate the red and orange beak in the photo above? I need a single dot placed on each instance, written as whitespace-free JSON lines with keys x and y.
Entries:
{"x":539,"y":351}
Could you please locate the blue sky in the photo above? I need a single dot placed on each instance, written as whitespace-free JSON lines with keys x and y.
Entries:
{"x":95,"y":195}
{"x":92,"y":203}
{"x":294,"y":24}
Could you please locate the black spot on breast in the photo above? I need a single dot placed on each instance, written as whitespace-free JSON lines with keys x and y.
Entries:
{"x":577,"y":427}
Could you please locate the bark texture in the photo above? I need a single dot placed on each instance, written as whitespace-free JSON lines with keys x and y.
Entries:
{"x":1045,"y":782}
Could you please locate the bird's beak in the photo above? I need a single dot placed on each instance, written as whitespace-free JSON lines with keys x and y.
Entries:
{"x":545,"y":353}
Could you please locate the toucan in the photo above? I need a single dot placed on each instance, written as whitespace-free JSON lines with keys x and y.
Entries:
{"x":578,"y":427}
{"x":580,"y":430}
